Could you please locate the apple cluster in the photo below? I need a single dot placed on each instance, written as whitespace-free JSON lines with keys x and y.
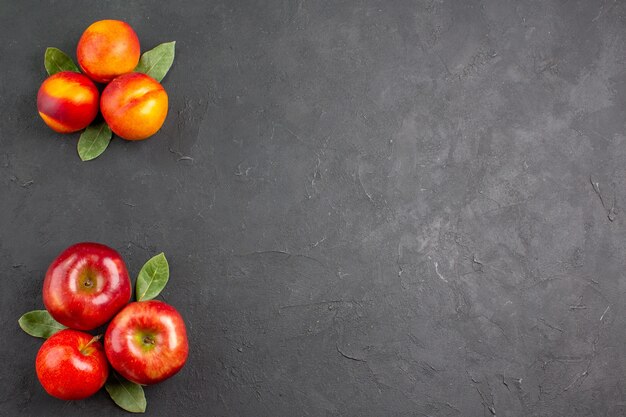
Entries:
{"x":133,"y":104}
{"x":86,"y":287}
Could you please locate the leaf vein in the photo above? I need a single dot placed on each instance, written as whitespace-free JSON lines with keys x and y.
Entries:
{"x":95,"y":139}
{"x":129,"y":393}
{"x":149,"y":284}
{"x":155,"y":64}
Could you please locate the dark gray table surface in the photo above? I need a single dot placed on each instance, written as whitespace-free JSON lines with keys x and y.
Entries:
{"x":387,"y":207}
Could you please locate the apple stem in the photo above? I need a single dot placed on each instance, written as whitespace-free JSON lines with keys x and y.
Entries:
{"x":93,"y":340}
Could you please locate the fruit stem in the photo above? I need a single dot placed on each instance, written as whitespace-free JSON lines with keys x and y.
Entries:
{"x":93,"y":340}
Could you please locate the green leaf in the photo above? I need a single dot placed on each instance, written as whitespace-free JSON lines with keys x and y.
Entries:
{"x":39,"y":323}
{"x":152,"y":278}
{"x":56,"y":60}
{"x":93,"y":141}
{"x":126,"y":394}
{"x":157,"y":62}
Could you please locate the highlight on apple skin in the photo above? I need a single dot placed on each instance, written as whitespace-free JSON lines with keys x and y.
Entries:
{"x":108,"y":49}
{"x":134,"y":106}
{"x":146,"y":342}
{"x":86,"y":285}
{"x":68,"y":101}
{"x":71,"y":365}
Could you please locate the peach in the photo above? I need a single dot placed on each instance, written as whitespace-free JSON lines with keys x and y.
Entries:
{"x":107,"y":49}
{"x":67,"y":101}
{"x":134,"y":106}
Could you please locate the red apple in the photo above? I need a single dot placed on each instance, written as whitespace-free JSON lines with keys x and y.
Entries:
{"x":71,"y":365}
{"x":147,"y":342}
{"x":86,"y":285}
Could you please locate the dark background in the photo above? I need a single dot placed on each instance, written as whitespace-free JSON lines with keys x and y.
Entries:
{"x":387,"y":209}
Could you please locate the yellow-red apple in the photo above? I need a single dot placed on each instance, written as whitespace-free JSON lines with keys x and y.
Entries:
{"x":107,"y":49}
{"x":68,"y":101}
{"x":134,"y":106}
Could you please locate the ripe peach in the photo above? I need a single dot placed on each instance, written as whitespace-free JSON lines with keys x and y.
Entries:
{"x":134,"y":106}
{"x":67,"y":101}
{"x":107,"y":49}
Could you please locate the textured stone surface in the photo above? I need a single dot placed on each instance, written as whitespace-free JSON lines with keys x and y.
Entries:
{"x":371,"y":208}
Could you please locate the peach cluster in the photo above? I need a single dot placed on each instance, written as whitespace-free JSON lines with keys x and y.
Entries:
{"x":133,"y":104}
